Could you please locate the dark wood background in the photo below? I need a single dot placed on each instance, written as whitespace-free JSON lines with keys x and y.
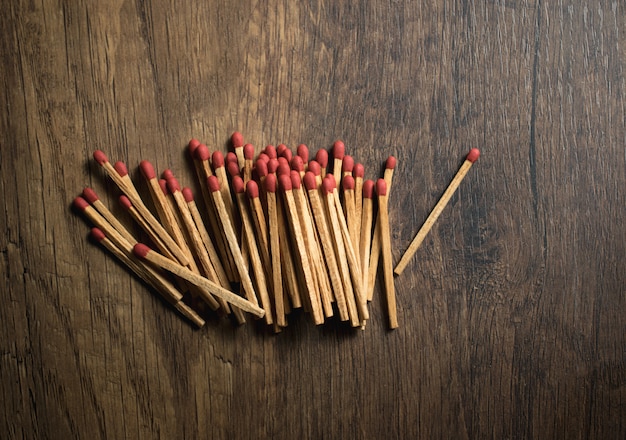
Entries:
{"x":512,"y":315}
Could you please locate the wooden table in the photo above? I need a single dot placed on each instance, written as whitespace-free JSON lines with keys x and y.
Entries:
{"x":512,"y":314}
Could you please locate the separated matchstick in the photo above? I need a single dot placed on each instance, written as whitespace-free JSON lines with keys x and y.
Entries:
{"x":471,"y":157}
{"x":385,"y":241}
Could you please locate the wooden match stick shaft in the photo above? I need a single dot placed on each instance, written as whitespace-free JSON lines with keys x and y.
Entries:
{"x":472,"y":156}
{"x":385,"y":241}
{"x":154,"y":257}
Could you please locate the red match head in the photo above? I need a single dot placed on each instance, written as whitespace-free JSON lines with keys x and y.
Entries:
{"x":168,"y":174}
{"x":270,"y":150}
{"x":348,"y":164}
{"x":270,"y":183}
{"x":100,"y":157}
{"x":322,"y":158}
{"x":272,"y":166}
{"x":237,"y":139}
{"x":348,"y":183}
{"x":233,"y":169}
{"x":263,"y":157}
{"x":141,"y":250}
{"x":328,"y":185}
{"x":97,"y":234}
{"x":390,"y":164}
{"x":173,"y":185}
{"x":81,"y":203}
{"x":297,"y":164}
{"x":231,"y":157}
{"x":147,"y":170}
{"x":188,"y":194}
{"x":358,"y":170}
{"x":238,"y":185}
{"x":217,"y":159}
{"x":315,"y":167}
{"x":339,"y":150}
{"x":213,"y":183}
{"x":473,"y":155}
{"x":368,"y":189}
{"x":310,"y":182}
{"x":163,"y":185}
{"x":248,"y":152}
{"x":284,"y":182}
{"x":193,"y":144}
{"x":261,"y":168}
{"x":252,"y":189}
{"x":283,"y":169}
{"x":303,"y":152}
{"x":280,"y":149}
{"x":296,"y":180}
{"x":381,"y":187}
{"x":90,"y":195}
{"x":202,"y":153}
{"x":125,"y":202}
{"x":121,"y":169}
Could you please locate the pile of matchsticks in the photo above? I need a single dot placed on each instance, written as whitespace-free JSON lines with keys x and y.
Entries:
{"x":277,"y":232}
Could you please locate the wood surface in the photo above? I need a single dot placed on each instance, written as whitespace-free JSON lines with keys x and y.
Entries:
{"x":512,"y":315}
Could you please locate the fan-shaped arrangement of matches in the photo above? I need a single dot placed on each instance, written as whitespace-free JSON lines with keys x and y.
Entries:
{"x":273,"y":233}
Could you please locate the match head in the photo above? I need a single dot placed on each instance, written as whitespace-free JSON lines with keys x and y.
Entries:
{"x":263,"y":157}
{"x":296,"y":180}
{"x":328,"y":185}
{"x":188,"y":194}
{"x":100,"y":157}
{"x":173,"y":185}
{"x":339,"y":150}
{"x":261,"y":168}
{"x":280,"y":150}
{"x":270,"y":150}
{"x":315,"y":167}
{"x":193,"y":144}
{"x":141,"y":250}
{"x":202,"y":153}
{"x":297,"y":164}
{"x":147,"y":170}
{"x":237,"y":139}
{"x":390,"y":164}
{"x":310,"y":182}
{"x":303,"y":152}
{"x":272,"y":166}
{"x":163,"y":185}
{"x":238,"y":185}
{"x":381,"y":187}
{"x":348,"y":164}
{"x":90,"y":195}
{"x":348,"y":183}
{"x":252,"y":189}
{"x":358,"y":171}
{"x":230,"y":157}
{"x":283,"y":169}
{"x":125,"y":202}
{"x":473,"y":155}
{"x":248,"y":152}
{"x":368,"y":189}
{"x":213,"y":183}
{"x":217,"y":159}
{"x":81,"y":203}
{"x":233,"y":169}
{"x":121,"y":169}
{"x":97,"y":234}
{"x":270,"y":183}
{"x":284,"y":182}
{"x":322,"y":158}
{"x":168,"y":174}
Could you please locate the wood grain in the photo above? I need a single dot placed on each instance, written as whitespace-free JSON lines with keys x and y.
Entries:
{"x":512,"y":315}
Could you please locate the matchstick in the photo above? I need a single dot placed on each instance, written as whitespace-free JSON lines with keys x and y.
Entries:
{"x":365,"y":241}
{"x":274,"y":248}
{"x":238,"y":145}
{"x":143,"y":251}
{"x":471,"y":157}
{"x":385,"y":241}
{"x":91,"y":196}
{"x":303,"y":152}
{"x":321,"y":157}
{"x":217,"y":160}
{"x":358,"y":172}
{"x":158,"y":283}
{"x":349,"y":208}
{"x":339,"y":151}
{"x":248,"y":154}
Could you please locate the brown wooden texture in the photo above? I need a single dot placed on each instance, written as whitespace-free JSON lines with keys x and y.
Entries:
{"x":512,"y":315}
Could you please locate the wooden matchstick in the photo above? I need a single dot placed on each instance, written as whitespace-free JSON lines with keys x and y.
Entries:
{"x":217,"y":160}
{"x":339,"y":151}
{"x":365,"y":241}
{"x":248,"y":154}
{"x":143,"y":251}
{"x":93,"y":198}
{"x":238,"y":145}
{"x":385,"y":241}
{"x":321,"y":157}
{"x":349,"y":208}
{"x":158,"y":283}
{"x":274,"y":248}
{"x":358,"y":172}
{"x":471,"y":157}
